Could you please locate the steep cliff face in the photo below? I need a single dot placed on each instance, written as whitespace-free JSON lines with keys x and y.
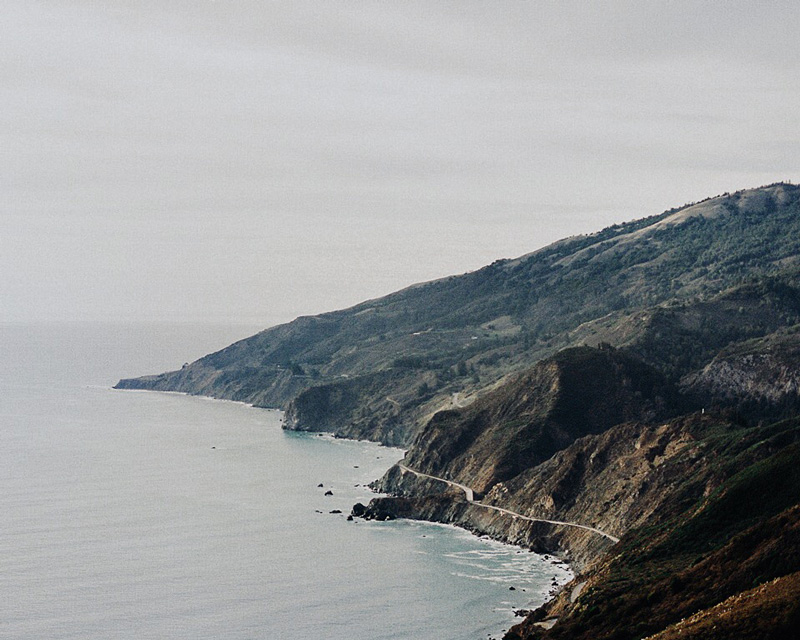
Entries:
{"x":758,"y":377}
{"x":577,"y":392}
{"x":696,"y":551}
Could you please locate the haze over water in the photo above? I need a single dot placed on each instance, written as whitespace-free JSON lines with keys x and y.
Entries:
{"x":145,"y":515}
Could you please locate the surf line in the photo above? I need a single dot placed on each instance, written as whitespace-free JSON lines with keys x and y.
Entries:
{"x":470,"y":495}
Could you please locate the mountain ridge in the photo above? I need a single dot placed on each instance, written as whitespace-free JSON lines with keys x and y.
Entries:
{"x":463,"y":334}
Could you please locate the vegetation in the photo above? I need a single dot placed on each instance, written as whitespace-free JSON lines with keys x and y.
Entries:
{"x":675,"y":268}
{"x":696,"y":554}
{"x":681,"y":429}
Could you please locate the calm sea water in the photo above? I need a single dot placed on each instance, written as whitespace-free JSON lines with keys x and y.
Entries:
{"x":148,"y":515}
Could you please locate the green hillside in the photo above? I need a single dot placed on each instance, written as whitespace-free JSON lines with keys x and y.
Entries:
{"x":463,"y":333}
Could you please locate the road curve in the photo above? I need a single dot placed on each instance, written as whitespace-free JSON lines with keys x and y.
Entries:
{"x":469,"y":493}
{"x":471,"y":499}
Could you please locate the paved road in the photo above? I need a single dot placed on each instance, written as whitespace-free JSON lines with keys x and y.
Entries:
{"x":469,"y":493}
{"x":471,"y":498}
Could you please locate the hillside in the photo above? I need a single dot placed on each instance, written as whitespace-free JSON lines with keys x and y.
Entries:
{"x":577,"y":392}
{"x":628,"y":400}
{"x":705,"y":503}
{"x":381,"y":369}
{"x":729,"y":525}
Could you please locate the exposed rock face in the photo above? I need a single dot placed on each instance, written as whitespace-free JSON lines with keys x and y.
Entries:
{"x":754,"y":375}
{"x":577,"y":392}
{"x":613,"y":481}
{"x":542,"y":446}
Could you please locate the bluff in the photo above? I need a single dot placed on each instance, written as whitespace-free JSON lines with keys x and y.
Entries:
{"x":575,"y":393}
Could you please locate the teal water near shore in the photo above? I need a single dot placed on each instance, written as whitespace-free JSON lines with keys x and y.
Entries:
{"x":147,"y":515}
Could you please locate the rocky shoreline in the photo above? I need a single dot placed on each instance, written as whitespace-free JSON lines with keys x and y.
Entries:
{"x":424,"y":501}
{"x":433,"y":509}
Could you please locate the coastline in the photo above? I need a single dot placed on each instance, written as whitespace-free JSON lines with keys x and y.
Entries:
{"x":428,"y":499}
{"x":332,"y":435}
{"x":432,"y":510}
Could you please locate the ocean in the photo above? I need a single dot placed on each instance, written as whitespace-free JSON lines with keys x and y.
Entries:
{"x":129,"y":514}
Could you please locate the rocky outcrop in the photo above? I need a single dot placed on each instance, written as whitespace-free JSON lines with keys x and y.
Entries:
{"x":760,"y":375}
{"x":577,"y":392}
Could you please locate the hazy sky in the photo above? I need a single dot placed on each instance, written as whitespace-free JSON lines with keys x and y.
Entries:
{"x":250,"y":161}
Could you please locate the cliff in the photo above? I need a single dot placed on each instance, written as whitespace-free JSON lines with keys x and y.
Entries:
{"x":699,"y":548}
{"x":760,"y":377}
{"x":577,"y":392}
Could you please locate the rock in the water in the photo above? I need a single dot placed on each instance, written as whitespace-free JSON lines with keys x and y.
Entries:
{"x":329,"y":492}
{"x":358,"y":510}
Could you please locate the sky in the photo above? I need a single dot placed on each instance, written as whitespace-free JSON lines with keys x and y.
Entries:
{"x":248,"y":161}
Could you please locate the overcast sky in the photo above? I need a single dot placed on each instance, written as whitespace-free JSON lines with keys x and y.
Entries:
{"x":251,"y":161}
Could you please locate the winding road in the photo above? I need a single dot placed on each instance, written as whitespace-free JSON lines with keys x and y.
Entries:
{"x":470,"y":494}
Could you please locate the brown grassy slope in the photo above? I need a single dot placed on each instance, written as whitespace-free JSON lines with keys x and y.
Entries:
{"x":768,"y":612}
{"x":742,"y":534}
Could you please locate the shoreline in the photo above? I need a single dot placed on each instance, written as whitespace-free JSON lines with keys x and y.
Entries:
{"x":547,"y":553}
